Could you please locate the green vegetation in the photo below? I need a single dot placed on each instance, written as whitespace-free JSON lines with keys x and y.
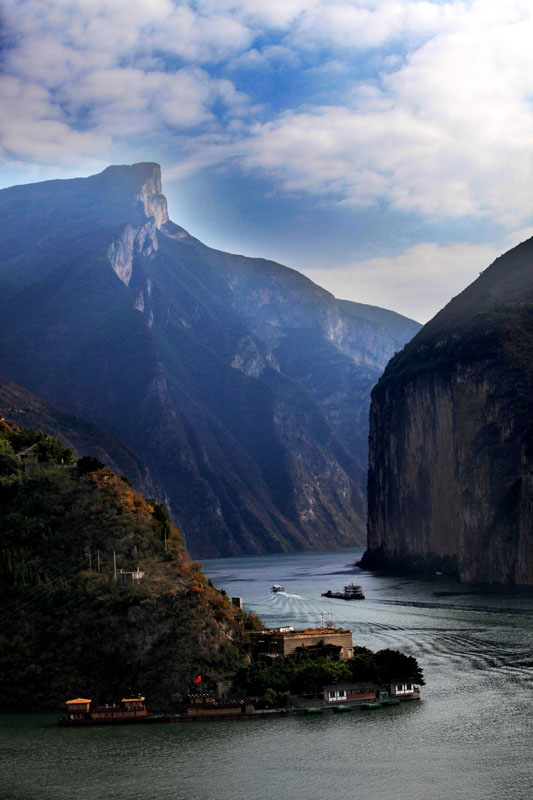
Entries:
{"x":308,"y":671}
{"x":67,"y":628}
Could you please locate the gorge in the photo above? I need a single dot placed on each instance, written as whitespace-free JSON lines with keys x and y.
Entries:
{"x":451,"y":437}
{"x":241,"y":387}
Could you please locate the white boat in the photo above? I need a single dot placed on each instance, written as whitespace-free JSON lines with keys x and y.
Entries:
{"x":277,"y":588}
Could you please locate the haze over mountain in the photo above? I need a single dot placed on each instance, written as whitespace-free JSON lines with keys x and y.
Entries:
{"x":451,"y":440}
{"x":85,"y":439}
{"x":240,"y":383}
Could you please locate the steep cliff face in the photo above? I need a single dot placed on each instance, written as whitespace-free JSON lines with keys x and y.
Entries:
{"x":241,"y":384}
{"x":451,"y":437}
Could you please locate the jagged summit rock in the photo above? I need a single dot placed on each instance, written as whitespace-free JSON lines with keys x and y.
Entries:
{"x":451,"y":436}
{"x":240,"y":383}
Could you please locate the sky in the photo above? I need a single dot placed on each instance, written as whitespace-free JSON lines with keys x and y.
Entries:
{"x":381,"y":147}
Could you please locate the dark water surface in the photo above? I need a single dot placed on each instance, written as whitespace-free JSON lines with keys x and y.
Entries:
{"x":469,"y":737}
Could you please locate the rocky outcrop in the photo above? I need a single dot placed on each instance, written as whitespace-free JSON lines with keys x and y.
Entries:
{"x":240,"y":383}
{"x":451,"y":437}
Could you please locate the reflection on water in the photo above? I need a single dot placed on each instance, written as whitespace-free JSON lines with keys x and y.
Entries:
{"x":469,"y":738}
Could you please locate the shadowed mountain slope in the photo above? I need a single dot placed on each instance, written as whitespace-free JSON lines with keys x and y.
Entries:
{"x":451,"y":442}
{"x":26,"y":409}
{"x":241,"y":384}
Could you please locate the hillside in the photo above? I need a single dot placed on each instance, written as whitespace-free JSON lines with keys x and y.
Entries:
{"x":24,"y":408}
{"x":451,"y":441}
{"x":67,"y":628}
{"x":242,"y":386}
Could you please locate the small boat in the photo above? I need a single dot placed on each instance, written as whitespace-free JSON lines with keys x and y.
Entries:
{"x":351,"y":592}
{"x":313,"y":710}
{"x":341,"y":709}
{"x":277,"y":588}
{"x":370,"y":706}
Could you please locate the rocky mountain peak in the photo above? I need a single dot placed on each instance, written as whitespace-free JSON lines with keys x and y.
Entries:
{"x":140,"y":239}
{"x":152,"y":197}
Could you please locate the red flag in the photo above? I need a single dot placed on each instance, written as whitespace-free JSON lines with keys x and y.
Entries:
{"x":198,"y":679}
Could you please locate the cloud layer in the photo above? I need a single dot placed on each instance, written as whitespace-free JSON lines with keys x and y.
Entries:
{"x":414,"y":106}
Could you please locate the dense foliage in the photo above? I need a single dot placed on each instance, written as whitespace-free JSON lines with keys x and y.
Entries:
{"x":66,"y":627}
{"x":308,"y":671}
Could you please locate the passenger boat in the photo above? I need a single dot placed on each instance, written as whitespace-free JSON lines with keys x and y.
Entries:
{"x":350,"y":592}
{"x":131,"y":710}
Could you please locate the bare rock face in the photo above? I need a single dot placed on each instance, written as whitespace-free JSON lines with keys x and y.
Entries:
{"x":451,"y":437}
{"x":243,"y":386}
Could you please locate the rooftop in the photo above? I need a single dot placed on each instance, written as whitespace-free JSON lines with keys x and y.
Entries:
{"x":302,"y":631}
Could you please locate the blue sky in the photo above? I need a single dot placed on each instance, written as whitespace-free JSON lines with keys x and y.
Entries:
{"x":382,"y":148}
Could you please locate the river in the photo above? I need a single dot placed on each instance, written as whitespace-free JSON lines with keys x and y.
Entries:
{"x":468,"y":738}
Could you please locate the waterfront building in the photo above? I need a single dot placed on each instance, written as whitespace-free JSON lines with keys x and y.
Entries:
{"x":404,"y":690}
{"x":283,"y":642}
{"x":342,"y":692}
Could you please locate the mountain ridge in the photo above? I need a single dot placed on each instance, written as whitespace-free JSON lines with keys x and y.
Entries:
{"x":241,"y":384}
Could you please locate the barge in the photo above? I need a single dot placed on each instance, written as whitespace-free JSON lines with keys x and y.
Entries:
{"x":350,"y":592}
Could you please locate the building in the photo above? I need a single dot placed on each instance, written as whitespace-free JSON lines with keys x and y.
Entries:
{"x":404,"y":690}
{"x":283,"y":642}
{"x":30,"y":458}
{"x":122,"y":578}
{"x":341,"y":692}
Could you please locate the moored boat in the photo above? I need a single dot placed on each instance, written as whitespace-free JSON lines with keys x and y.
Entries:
{"x":131,"y":710}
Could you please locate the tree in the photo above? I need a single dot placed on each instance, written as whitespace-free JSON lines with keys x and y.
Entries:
{"x":87,"y":464}
{"x":391,"y":665}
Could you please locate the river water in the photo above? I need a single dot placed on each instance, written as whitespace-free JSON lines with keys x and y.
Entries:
{"x":468,"y":738}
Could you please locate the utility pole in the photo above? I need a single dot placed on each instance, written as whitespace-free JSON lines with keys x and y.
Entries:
{"x":90,"y":564}
{"x":115,"y":566}
{"x":98,"y":560}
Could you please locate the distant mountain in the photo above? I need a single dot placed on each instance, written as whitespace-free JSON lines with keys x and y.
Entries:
{"x":241,"y":384}
{"x":85,"y":439}
{"x":451,"y":441}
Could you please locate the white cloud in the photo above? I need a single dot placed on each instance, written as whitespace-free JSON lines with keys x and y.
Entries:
{"x":445,"y":130}
{"x":448,"y":134}
{"x":418,"y":282}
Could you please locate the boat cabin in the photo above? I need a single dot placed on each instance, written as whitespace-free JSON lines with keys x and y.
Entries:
{"x":77,"y":708}
{"x":129,"y":707}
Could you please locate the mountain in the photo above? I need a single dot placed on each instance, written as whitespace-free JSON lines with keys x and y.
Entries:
{"x":451,"y":436}
{"x":70,"y":629}
{"x":243,"y":386}
{"x":29,"y":411}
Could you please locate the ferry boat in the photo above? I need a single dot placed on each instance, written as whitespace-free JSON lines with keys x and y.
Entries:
{"x":131,"y":710}
{"x":351,"y":592}
{"x":277,"y":588}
